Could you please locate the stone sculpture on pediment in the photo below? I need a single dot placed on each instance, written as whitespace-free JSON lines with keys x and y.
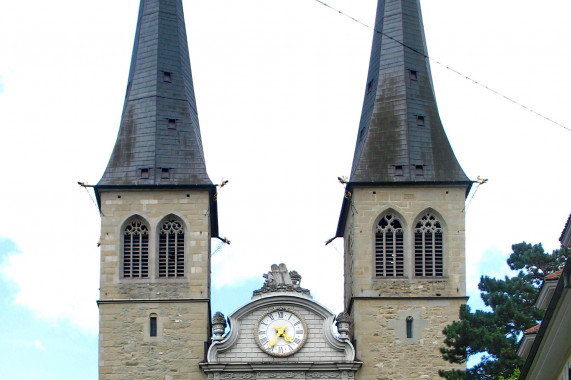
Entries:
{"x":279,"y":279}
{"x":282,"y":333}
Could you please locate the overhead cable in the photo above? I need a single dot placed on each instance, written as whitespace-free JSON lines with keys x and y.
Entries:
{"x":446,"y":67}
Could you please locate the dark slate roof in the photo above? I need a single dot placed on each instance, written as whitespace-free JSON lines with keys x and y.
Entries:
{"x":159,"y":139}
{"x":400,"y":137}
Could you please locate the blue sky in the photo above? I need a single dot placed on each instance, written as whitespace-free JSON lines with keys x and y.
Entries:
{"x":279,"y":87}
{"x":33,"y":348}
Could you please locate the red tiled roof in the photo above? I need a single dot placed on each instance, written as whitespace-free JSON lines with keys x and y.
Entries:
{"x":555,"y":275}
{"x":533,"y":330}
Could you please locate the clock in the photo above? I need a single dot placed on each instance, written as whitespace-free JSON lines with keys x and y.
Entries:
{"x":280,"y":332}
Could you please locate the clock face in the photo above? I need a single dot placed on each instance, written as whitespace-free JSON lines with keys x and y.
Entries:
{"x":280,"y":332}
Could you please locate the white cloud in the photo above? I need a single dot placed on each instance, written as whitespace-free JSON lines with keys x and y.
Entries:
{"x":55,"y":292}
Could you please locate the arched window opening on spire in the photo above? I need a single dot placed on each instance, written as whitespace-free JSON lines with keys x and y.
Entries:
{"x":136,"y":249}
{"x":171,"y":249}
{"x":428,"y":254}
{"x":389,"y":257}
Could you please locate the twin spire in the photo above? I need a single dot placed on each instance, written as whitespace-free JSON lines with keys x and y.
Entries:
{"x":400,"y":137}
{"x":159,"y":139}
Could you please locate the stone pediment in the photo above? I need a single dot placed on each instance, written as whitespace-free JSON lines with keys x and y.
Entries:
{"x":281,"y":333}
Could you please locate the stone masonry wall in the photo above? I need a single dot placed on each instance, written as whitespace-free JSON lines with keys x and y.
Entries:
{"x":192,"y":206}
{"x":408,"y":203}
{"x":382,"y":344}
{"x":126,"y":351}
{"x":380,"y":306}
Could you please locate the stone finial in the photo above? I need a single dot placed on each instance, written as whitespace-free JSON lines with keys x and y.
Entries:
{"x":343,"y":325}
{"x":279,"y":279}
{"x":218,"y":325}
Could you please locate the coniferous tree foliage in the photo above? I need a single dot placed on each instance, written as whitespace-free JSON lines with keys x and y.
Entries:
{"x":495,"y":333}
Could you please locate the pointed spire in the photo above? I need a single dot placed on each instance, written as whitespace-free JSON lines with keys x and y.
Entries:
{"x":159,"y":139}
{"x":401,"y":138}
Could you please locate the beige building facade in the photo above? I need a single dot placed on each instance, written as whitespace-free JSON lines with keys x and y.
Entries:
{"x":180,"y":305}
{"x":382,"y":306}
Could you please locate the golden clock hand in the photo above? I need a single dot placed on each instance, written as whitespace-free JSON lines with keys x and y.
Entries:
{"x":273,"y":341}
{"x":280,"y":332}
{"x":287,"y":338}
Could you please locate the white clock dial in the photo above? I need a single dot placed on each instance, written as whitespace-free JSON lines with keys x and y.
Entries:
{"x":281,"y":332}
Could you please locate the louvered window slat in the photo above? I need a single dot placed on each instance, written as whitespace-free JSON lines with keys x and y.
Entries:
{"x":389,"y":251}
{"x":136,"y":250}
{"x":171,"y":249}
{"x":428,"y":251}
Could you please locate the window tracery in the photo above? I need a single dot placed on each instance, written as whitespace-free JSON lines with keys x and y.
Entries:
{"x":171,"y":249}
{"x":428,"y":251}
{"x":136,"y":250}
{"x":389,"y":257}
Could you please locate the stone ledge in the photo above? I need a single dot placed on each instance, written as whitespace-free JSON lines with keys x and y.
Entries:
{"x":157,"y":300}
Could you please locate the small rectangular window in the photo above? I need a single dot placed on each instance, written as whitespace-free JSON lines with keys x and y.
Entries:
{"x":165,"y":173}
{"x":413,"y":75}
{"x":398,"y":170}
{"x":420,"y":121}
{"x":144,"y":173}
{"x":409,"y":327}
{"x":172,"y":123}
{"x":167,"y":77}
{"x":419,"y":170}
{"x":153,"y":326}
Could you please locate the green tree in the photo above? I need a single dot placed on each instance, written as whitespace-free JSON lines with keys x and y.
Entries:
{"x":513,"y":376}
{"x":494,"y":334}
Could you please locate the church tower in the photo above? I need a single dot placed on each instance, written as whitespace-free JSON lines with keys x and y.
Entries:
{"x":402,"y":218}
{"x":158,"y":214}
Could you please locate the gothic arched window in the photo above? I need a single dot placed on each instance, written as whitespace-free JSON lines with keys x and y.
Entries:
{"x":428,"y":255}
{"x":389,"y":257}
{"x":136,"y":249}
{"x":171,"y":249}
